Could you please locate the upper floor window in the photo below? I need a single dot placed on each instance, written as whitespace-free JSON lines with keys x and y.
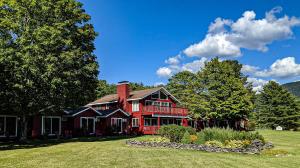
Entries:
{"x":159,"y":95}
{"x":135,"y":105}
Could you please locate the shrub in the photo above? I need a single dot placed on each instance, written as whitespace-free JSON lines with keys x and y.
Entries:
{"x":236,"y":143}
{"x":194,"y":138}
{"x":251,"y":126}
{"x":175,"y":132}
{"x":186,"y":139}
{"x":159,"y":139}
{"x":222,"y":135}
{"x":214,"y":143}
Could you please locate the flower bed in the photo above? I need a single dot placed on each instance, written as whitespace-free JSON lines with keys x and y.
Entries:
{"x":255,"y":147}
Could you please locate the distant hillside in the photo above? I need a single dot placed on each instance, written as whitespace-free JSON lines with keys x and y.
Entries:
{"x":293,"y":87}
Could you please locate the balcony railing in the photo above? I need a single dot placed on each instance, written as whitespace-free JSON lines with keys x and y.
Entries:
{"x":172,"y":111}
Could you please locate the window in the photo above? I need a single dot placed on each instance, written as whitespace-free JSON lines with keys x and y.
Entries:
{"x":166,"y":121}
{"x":87,"y":124}
{"x":135,"y":122}
{"x":163,"y":96}
{"x":150,"y":122}
{"x":156,"y":103}
{"x":165,"y":104}
{"x":135,"y":106}
{"x":51,"y":125}
{"x":148,"y":103}
{"x":8,"y":126}
{"x":155,"y":95}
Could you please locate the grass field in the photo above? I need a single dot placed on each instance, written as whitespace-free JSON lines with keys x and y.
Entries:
{"x":114,"y":153}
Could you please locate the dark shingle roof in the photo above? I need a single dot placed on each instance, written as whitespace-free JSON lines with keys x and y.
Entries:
{"x":74,"y":111}
{"x":132,"y":95}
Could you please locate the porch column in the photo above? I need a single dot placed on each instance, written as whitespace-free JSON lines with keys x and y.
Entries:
{"x":158,"y":122}
{"x":184,"y":122}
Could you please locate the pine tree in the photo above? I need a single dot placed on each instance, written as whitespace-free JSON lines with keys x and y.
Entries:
{"x":277,"y":107}
{"x":229,"y":95}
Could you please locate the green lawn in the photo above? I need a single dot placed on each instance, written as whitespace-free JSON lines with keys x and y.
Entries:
{"x":114,"y":153}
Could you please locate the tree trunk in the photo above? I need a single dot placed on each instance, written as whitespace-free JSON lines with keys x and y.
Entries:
{"x":24,"y":124}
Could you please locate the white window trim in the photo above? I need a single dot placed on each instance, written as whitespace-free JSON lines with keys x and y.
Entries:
{"x":5,"y":125}
{"x":94,"y":123}
{"x":135,"y":106}
{"x":117,"y":119}
{"x":137,"y":122}
{"x":160,"y":103}
{"x":43,"y":126}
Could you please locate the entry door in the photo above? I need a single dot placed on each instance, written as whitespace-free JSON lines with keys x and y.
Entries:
{"x":88,"y":124}
{"x":117,"y":124}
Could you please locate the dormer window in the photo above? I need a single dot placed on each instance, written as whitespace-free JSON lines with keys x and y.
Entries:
{"x":155,"y":95}
{"x":159,"y":95}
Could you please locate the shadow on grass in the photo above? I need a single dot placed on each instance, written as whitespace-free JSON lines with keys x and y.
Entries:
{"x":12,"y":145}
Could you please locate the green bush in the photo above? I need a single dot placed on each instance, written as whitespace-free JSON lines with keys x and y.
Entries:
{"x":210,"y":134}
{"x":250,"y":126}
{"x":186,"y":139}
{"x":214,"y":143}
{"x":175,"y":132}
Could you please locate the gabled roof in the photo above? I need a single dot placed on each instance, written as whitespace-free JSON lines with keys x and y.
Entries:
{"x":107,"y":113}
{"x":74,"y":112}
{"x":134,"y":95}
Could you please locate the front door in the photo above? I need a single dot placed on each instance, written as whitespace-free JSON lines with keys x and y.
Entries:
{"x":117,"y":125}
{"x":88,"y":125}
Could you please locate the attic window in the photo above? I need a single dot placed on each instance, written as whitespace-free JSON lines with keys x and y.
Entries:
{"x":162,"y":96}
{"x":155,"y":95}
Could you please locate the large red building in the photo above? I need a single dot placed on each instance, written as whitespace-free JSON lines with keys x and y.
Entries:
{"x":126,"y":112}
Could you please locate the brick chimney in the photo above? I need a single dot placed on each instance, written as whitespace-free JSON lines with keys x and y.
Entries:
{"x":123,"y":93}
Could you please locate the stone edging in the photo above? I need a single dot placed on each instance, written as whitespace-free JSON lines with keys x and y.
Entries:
{"x":255,"y":148}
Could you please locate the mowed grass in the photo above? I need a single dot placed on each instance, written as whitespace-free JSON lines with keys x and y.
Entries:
{"x":115,"y":153}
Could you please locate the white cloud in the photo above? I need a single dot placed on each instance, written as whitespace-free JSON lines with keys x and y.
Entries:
{"x":281,"y":68}
{"x":213,"y":45}
{"x":173,"y":60}
{"x":249,"y":69}
{"x":257,"y":83}
{"x":164,"y":72}
{"x":226,"y":37}
{"x":159,"y":84}
{"x":194,"y":66}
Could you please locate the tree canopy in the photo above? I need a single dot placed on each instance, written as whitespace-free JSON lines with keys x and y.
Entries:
{"x":218,"y":92}
{"x":46,"y":56}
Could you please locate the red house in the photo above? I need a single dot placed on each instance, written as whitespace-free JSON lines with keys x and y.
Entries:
{"x":127,"y":112}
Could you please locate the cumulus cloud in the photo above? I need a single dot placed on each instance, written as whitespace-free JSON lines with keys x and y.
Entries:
{"x":164,"y":72}
{"x":249,"y":69}
{"x":173,"y":60}
{"x":194,"y":66}
{"x":281,"y":68}
{"x":257,"y":83}
{"x":214,"y":45}
{"x":227,"y":38}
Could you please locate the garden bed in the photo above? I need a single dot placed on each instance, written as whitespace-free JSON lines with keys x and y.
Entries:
{"x":255,"y":147}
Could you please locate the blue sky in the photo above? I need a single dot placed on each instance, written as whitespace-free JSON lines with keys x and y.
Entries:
{"x":136,"y":38}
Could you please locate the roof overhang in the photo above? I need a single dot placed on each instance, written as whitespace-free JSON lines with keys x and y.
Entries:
{"x":163,"y":89}
{"x":170,"y":116}
{"x":88,"y":108}
{"x":122,"y":111}
{"x":91,"y":104}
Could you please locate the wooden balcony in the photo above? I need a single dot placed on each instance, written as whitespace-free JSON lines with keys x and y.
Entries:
{"x":167,"y":111}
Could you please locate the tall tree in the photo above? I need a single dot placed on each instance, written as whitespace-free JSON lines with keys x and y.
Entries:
{"x":46,"y":57}
{"x":276,"y":106}
{"x":229,"y":95}
{"x":189,"y":90}
{"x":105,"y":88}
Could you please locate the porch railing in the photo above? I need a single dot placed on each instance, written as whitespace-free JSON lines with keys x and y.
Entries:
{"x":172,"y":111}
